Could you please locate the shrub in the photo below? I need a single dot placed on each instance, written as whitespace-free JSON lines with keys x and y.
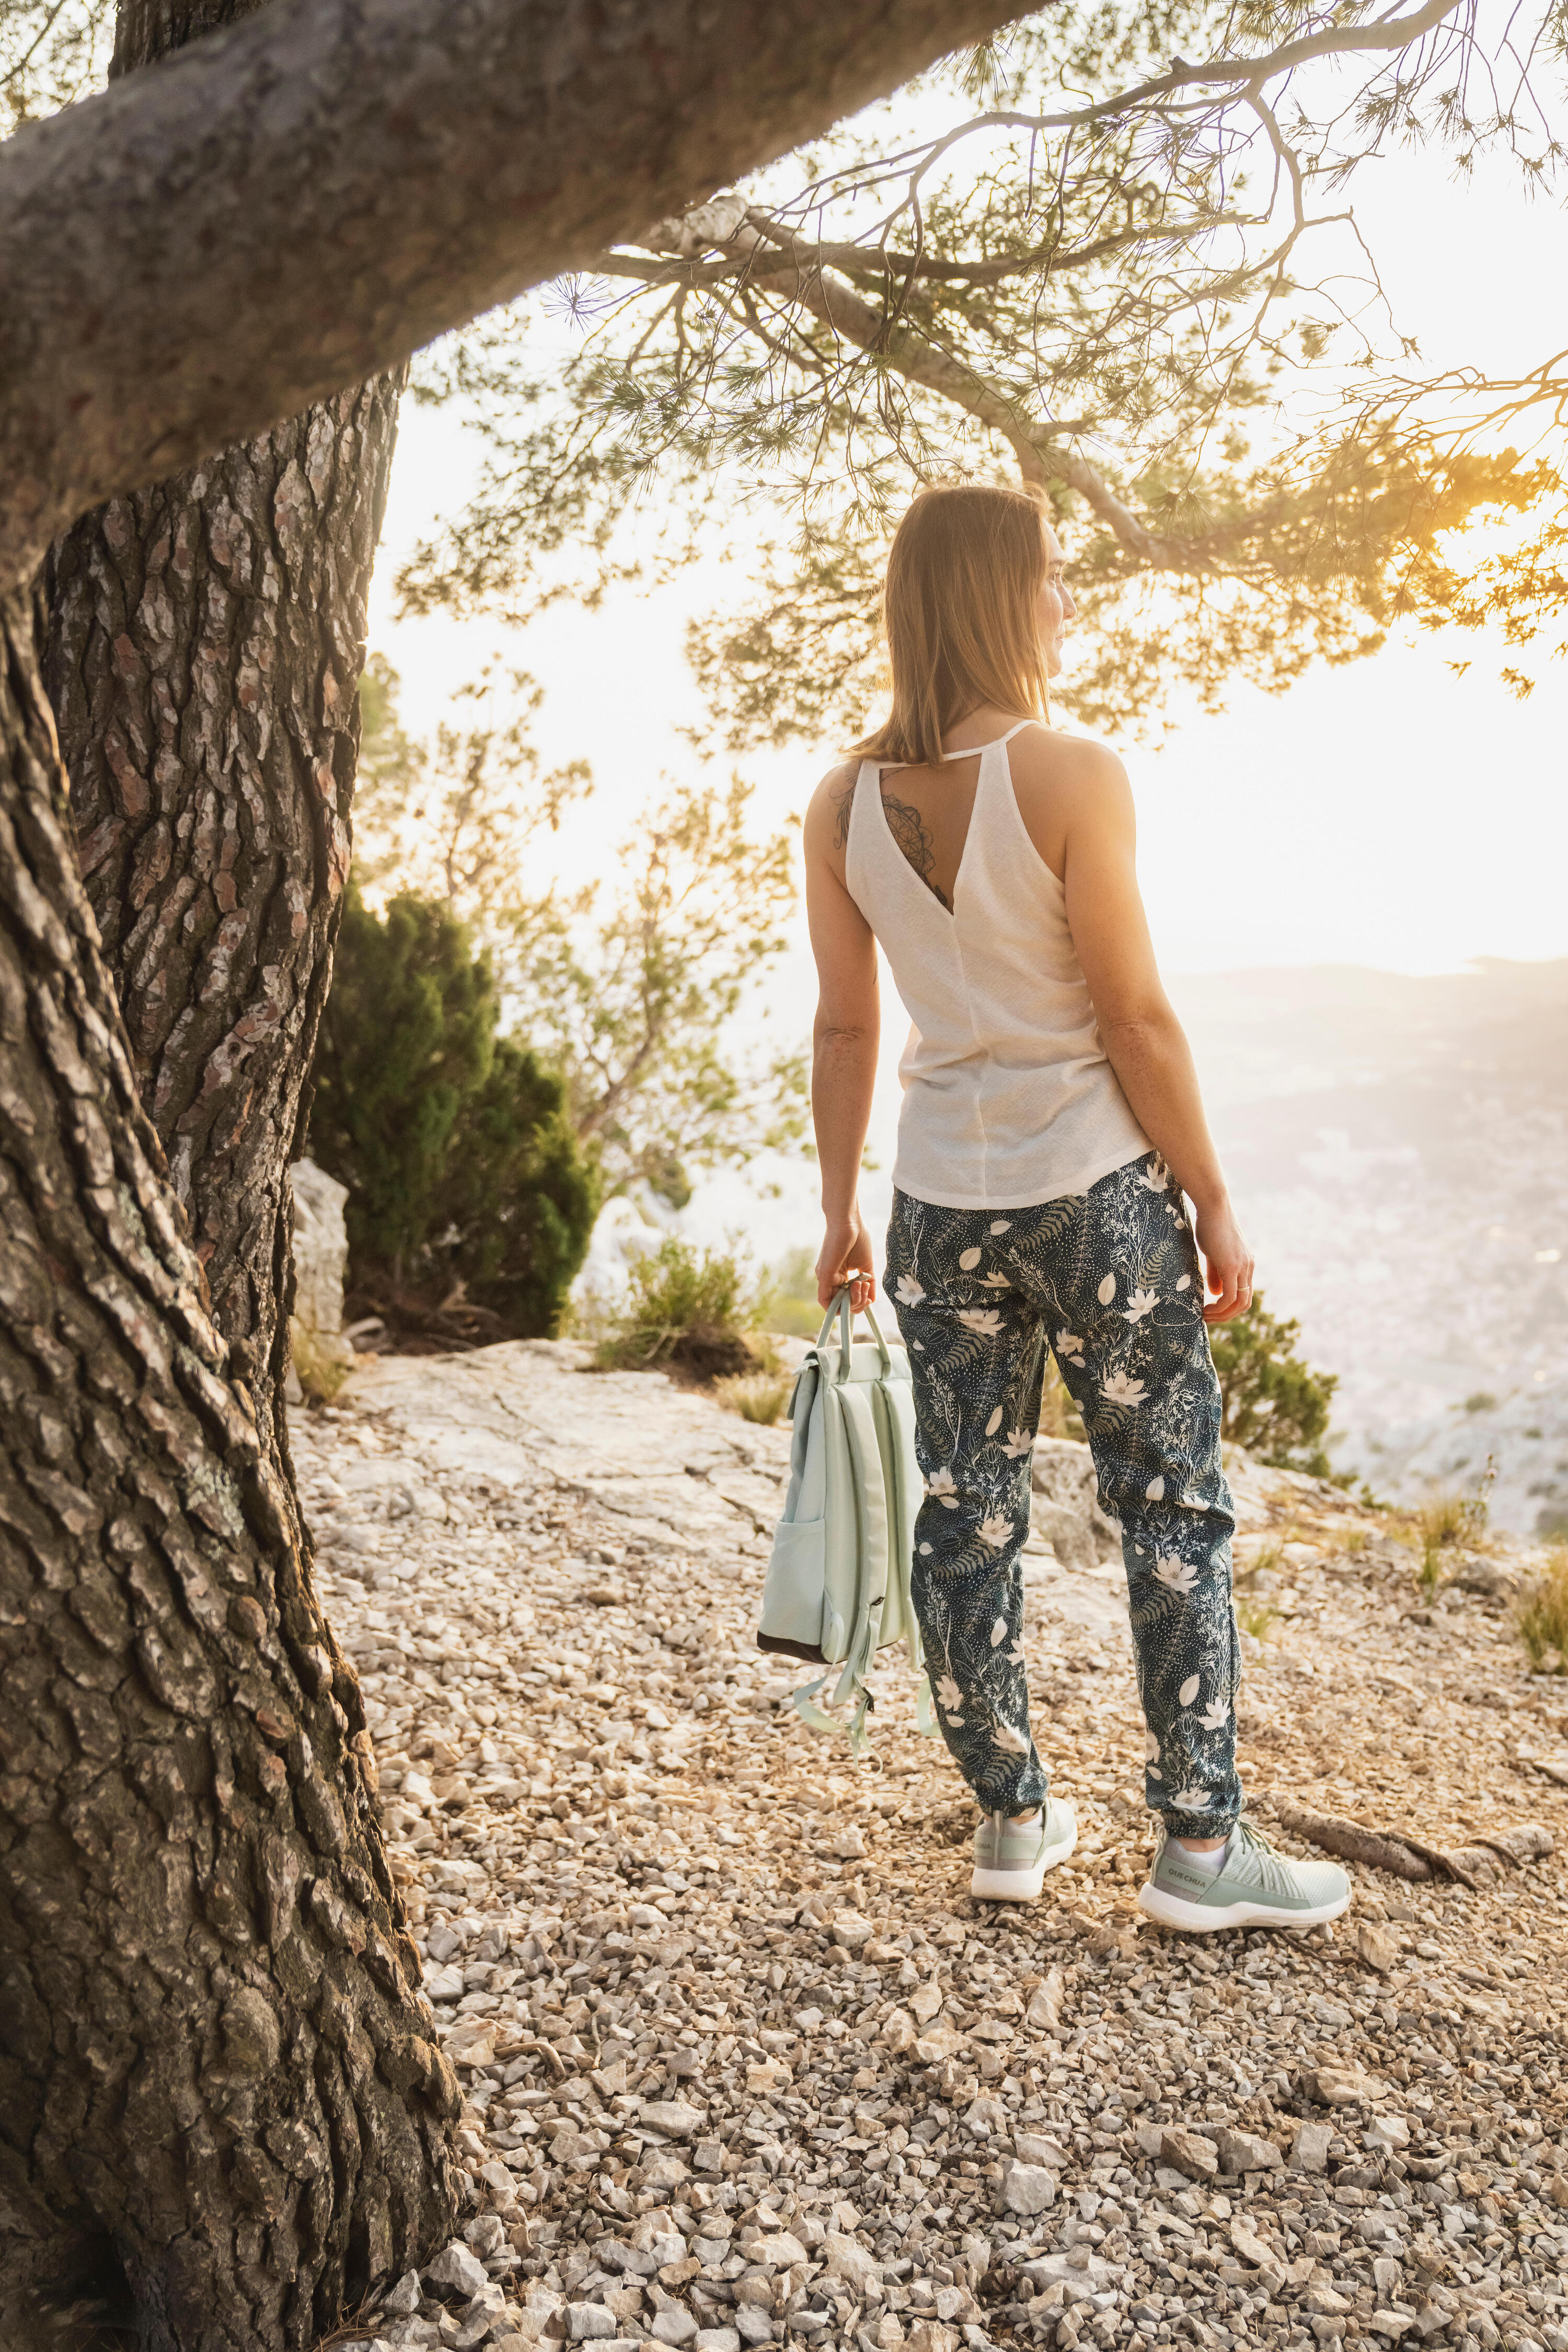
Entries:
{"x":464,"y":1177}
{"x":687,"y":1307}
{"x":1542,"y":1617}
{"x":515,"y":1208}
{"x":1275,"y":1405}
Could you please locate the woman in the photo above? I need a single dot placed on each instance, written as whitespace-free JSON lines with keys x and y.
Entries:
{"x":1051,"y":1123}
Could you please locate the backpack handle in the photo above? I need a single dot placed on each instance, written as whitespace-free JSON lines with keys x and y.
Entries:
{"x":841,"y":1307}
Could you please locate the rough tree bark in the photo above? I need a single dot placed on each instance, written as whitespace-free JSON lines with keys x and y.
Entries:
{"x":206,"y":643}
{"x":213,"y":2055}
{"x":299,"y":202}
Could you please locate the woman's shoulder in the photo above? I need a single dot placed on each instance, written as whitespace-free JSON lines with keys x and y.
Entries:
{"x":1046,"y":758}
{"x":828,"y":810}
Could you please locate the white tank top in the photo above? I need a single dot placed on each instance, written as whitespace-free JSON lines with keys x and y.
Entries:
{"x":1009,"y":1100}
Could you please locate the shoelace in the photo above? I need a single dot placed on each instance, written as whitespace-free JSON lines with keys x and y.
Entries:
{"x":1270,"y":1869}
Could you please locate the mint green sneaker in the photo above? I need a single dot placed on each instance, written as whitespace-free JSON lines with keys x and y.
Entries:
{"x":1011,"y":1858}
{"x":1253,"y":1887}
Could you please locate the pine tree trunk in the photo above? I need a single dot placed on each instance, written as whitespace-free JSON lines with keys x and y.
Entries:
{"x":206,"y":643}
{"x":207,"y":638}
{"x":214,"y":2057}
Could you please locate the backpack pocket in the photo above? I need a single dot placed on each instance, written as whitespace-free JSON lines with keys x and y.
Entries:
{"x":792,"y":1594}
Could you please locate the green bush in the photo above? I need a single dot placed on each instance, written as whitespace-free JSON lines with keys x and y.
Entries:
{"x":1275,"y":1405}
{"x":460,"y":1165}
{"x":684,"y":1306}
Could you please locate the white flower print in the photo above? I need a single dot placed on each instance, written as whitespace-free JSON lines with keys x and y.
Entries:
{"x":1019,"y":1443}
{"x":1107,"y":1290}
{"x":1150,"y":1748}
{"x":969,"y":1259}
{"x":995,"y":1423}
{"x":1015,"y":1654}
{"x":1189,"y":1690}
{"x":995,"y":1531}
{"x":948,"y":1694}
{"x":1217,"y":1715}
{"x":998,"y":1633}
{"x":1069,"y":1345}
{"x":996,"y":1281}
{"x":1176,"y":1576}
{"x":1192,"y":1800}
{"x":1120,"y":1389}
{"x":983,"y":1321}
{"x":907,"y":1291}
{"x":1010,"y":1741}
{"x":925,"y":1552}
{"x":940,"y":1486}
{"x":1002,"y":1224}
{"x":1142,"y":1302}
{"x":1154,"y":1179}
{"x":1185,"y":1282}
{"x":1154,"y":1492}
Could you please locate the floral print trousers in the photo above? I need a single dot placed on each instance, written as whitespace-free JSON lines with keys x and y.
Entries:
{"x":1111,"y":1279}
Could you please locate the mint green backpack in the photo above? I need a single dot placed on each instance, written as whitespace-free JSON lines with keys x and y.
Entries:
{"x":838,"y":1587}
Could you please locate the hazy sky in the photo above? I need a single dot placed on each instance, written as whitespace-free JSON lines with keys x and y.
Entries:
{"x":1392,"y":813}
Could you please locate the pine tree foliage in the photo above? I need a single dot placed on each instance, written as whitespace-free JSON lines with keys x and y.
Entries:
{"x":456,"y":818}
{"x":461,"y":1164}
{"x":630,"y":989}
{"x":52,"y":52}
{"x":1275,"y":1405}
{"x":1099,"y":280}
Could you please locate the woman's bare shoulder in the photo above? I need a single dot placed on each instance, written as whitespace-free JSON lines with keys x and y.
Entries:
{"x":828,"y":810}
{"x":1046,"y":758}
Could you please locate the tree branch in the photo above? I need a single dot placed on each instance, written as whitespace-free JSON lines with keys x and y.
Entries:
{"x":1038,"y":448}
{"x":217,"y":241}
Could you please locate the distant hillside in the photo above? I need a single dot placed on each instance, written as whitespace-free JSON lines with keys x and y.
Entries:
{"x":1400,"y":1147}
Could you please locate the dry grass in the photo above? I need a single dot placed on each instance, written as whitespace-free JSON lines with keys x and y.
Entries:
{"x":755,"y":1396}
{"x":1253,"y":1614}
{"x":1541,"y":1616}
{"x":1449,"y":1523}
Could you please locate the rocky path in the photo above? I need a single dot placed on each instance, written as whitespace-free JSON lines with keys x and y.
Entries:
{"x":745,"y":2064}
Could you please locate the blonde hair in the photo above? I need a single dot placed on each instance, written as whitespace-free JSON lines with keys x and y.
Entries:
{"x":958,"y":610}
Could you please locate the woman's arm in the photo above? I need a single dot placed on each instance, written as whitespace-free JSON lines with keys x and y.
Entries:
{"x":1145,"y":1041}
{"x":844,"y":1044}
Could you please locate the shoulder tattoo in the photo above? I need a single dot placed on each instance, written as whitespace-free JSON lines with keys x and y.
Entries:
{"x":843,"y":805}
{"x":904,"y":825}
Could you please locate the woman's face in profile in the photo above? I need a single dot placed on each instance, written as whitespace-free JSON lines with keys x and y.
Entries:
{"x":1054,"y":605}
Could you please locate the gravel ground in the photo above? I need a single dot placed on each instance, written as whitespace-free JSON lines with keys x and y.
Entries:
{"x":744,"y":2062}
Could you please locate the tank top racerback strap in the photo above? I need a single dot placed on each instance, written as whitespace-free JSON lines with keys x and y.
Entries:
{"x":994,"y":745}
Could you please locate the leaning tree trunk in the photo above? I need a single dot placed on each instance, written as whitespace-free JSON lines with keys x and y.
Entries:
{"x":206,"y":643}
{"x":214,"y":2059}
{"x":205,"y":646}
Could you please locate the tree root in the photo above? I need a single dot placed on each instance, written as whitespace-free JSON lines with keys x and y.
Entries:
{"x":1404,"y":1856}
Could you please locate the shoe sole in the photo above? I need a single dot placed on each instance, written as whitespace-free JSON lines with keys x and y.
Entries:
{"x":1203,"y":1919}
{"x":1020,"y":1886}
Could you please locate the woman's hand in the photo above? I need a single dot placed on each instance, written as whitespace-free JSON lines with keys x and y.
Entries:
{"x":1228,"y":1263}
{"x":846,"y":1257}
